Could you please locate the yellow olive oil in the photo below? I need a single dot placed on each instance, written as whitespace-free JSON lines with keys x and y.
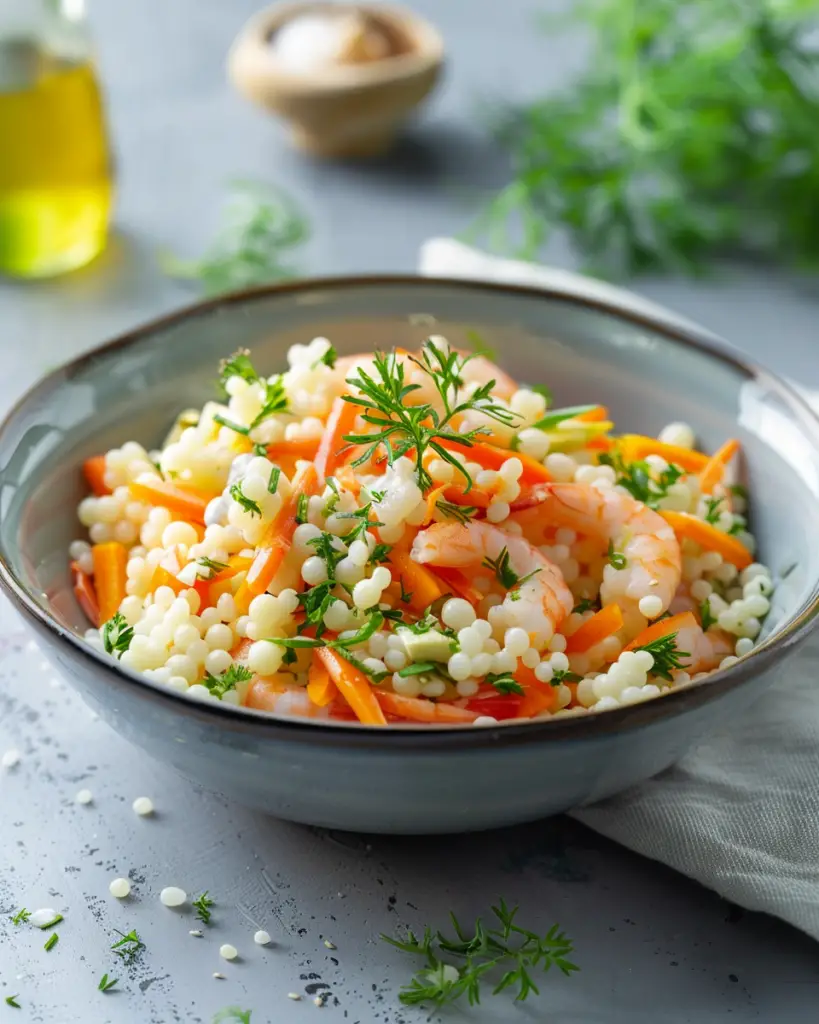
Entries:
{"x":55,"y":171}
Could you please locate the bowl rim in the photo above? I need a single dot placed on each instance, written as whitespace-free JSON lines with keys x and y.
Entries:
{"x":426,"y":737}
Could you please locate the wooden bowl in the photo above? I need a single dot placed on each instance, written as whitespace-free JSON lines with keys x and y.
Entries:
{"x":340,"y":110}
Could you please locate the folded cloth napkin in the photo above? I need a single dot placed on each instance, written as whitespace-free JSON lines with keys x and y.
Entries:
{"x":740,"y":813}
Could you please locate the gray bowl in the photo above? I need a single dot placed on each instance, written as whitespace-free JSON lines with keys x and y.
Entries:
{"x":645,"y":368}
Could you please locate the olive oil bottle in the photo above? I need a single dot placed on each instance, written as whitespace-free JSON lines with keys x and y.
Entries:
{"x":55,"y":170}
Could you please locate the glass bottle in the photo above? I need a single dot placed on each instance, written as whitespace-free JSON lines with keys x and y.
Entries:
{"x":55,"y":168}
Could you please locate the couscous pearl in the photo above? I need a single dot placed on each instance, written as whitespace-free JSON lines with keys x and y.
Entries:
{"x":182,"y":665}
{"x":679,"y":434}
{"x":180,"y":684}
{"x":650,"y":606}
{"x":85,"y":796}
{"x":459,"y":666}
{"x":757,"y":605}
{"x":409,"y":686}
{"x":143,"y":805}
{"x":261,"y":938}
{"x":483,"y":627}
{"x":470,"y":641}
{"x":481,"y":664}
{"x":744,"y":646}
{"x":394,"y":659}
{"x":700,"y":590}
{"x":314,"y":570}
{"x":219,"y":637}
{"x":366,"y":594}
{"x":264,"y":658}
{"x":171,"y":896}
{"x":498,"y":511}
{"x":435,"y":688}
{"x":516,"y":641}
{"x":228,"y":952}
{"x":358,"y":553}
{"x":559,"y":662}
{"x":544,"y":672}
{"x":606,"y":703}
{"x":10,"y":759}
{"x":727,"y":662}
{"x":504,"y":661}
{"x":457,"y":613}
{"x":217,"y":662}
{"x":120,"y":888}
{"x":485,"y":720}
{"x":557,"y":643}
{"x":530,"y":658}
{"x":467,"y":687}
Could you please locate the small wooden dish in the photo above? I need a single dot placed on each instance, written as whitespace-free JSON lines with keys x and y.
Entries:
{"x":340,"y":110}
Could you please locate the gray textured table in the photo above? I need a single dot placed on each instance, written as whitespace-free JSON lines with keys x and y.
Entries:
{"x":652,"y":945}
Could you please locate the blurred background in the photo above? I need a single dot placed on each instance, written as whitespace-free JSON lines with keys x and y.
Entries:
{"x":647,"y":142}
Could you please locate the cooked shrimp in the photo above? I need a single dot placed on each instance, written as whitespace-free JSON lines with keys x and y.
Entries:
{"x":480,"y":370}
{"x":640,"y":535}
{"x":275,"y":697}
{"x":704,"y":650}
{"x":538,"y":605}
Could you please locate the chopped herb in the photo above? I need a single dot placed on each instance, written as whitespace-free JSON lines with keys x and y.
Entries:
{"x":363,"y":523}
{"x":274,"y":401}
{"x":260,"y":450}
{"x":202,"y":906}
{"x":636,"y":477}
{"x":376,"y":495}
{"x":238,"y":365}
{"x":463,"y":513}
{"x":295,"y":643}
{"x":616,"y":558}
{"x":504,"y":573}
{"x":380,"y":553}
{"x":290,"y":657}
{"x":238,"y":428}
{"x":565,"y":676}
{"x":403,"y":429}
{"x":374,"y":677}
{"x":423,"y":625}
{"x":586,"y":604}
{"x":418,"y":669}
{"x":247,"y":504}
{"x":505,"y":682}
{"x":227,"y":680}
{"x":666,"y":656}
{"x":106,"y":983}
{"x":21,"y":916}
{"x":301,"y":509}
{"x":51,"y":941}
{"x":712,"y":510}
{"x":479,"y":957}
{"x":210,"y":566}
{"x":117,"y":635}
{"x":273,"y":482}
{"x":129,"y":945}
{"x":50,"y":924}
{"x":406,"y":595}
{"x":316,"y":602}
{"x":738,"y":526}
{"x":325,"y":545}
{"x":328,"y":359}
{"x":12,"y":1001}
{"x":706,"y":615}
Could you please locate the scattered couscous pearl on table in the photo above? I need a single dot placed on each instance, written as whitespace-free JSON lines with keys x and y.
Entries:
{"x":172,"y":896}
{"x":10,"y":758}
{"x":403,"y":539}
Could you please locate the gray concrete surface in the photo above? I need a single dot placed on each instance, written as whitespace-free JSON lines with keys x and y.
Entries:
{"x":652,"y":946}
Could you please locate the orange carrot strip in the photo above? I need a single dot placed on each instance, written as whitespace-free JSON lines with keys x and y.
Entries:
{"x":300,"y":448}
{"x":110,"y":560}
{"x":339,"y":422}
{"x":602,"y":624}
{"x":94,"y":472}
{"x":86,"y":595}
{"x":491,"y":457}
{"x":635,"y":446}
{"x":275,"y":544}
{"x":456,"y":494}
{"x":459,"y":584}
{"x":320,"y":687}
{"x":432,"y":500}
{"x":708,"y":537}
{"x":538,"y":697}
{"x":715,"y":467}
{"x":163,"y":577}
{"x":353,"y":686}
{"x":416,"y":710}
{"x":661,"y":628}
{"x":423,"y":585}
{"x":599,"y":414}
{"x":187,"y":504}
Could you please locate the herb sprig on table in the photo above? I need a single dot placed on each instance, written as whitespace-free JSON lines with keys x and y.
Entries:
{"x":691,"y":132}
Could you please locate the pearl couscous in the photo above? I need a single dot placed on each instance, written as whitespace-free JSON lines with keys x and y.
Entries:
{"x":415,"y":538}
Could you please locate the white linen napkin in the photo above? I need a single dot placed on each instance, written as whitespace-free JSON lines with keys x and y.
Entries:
{"x":740,"y":813}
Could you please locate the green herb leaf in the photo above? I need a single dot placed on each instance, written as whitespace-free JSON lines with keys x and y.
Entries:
{"x":116,"y":636}
{"x":273,"y":482}
{"x":106,"y":983}
{"x":586,"y":604}
{"x":202,"y":905}
{"x":21,"y":916}
{"x":557,"y":416}
{"x":51,"y":942}
{"x":505,"y":682}
{"x":12,"y":1001}
{"x":238,"y":365}
{"x":232,"y":1015}
{"x":129,"y":945}
{"x":227,"y":680}
{"x":666,"y":656}
{"x":301,"y":509}
{"x":247,"y":504}
{"x":713,"y":510}
{"x":275,"y":400}
{"x":210,"y":566}
{"x":637,"y":478}
{"x":706,"y":615}
{"x":504,"y":573}
{"x":419,"y":668}
{"x":237,"y":428}
{"x":565,"y":676}
{"x":361,"y":636}
{"x":328,"y":359}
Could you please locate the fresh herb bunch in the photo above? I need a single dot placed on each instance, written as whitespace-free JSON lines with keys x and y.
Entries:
{"x":260,"y":226}
{"x":691,"y":133}
{"x":479,"y":957}
{"x":666,"y":656}
{"x":403,"y":429}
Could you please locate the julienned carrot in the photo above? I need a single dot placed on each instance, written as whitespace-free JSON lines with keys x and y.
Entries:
{"x":110,"y":560}
{"x":715,"y":467}
{"x":187,"y":504}
{"x":433,"y":497}
{"x":339,"y":422}
{"x":85,"y":594}
{"x":663,"y":627}
{"x":353,"y":686}
{"x":93,"y":470}
{"x":708,"y":537}
{"x":275,"y":544}
{"x":320,"y":687}
{"x":489,"y":456}
{"x":423,"y":585}
{"x":538,"y":697}
{"x":456,"y":494}
{"x":596,"y":415}
{"x":594,"y":630}
{"x":458,"y":583}
{"x":635,"y":446}
{"x":301,"y":448}
{"x":416,"y":710}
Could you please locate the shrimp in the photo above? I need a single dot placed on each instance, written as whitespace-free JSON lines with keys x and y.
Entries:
{"x":704,"y":650}
{"x":538,"y":605}
{"x":640,"y":535}
{"x":274,"y":696}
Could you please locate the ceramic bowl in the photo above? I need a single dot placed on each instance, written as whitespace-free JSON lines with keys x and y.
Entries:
{"x":408,"y":779}
{"x":347,"y":110}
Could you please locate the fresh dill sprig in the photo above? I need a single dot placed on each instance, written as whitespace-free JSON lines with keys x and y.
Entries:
{"x":248,"y":504}
{"x":202,"y":905}
{"x":504,"y":573}
{"x":106,"y":983}
{"x":461,"y":513}
{"x":117,"y":635}
{"x":227,"y":680}
{"x":666,"y":656}
{"x":502,"y":957}
{"x":401,"y":428}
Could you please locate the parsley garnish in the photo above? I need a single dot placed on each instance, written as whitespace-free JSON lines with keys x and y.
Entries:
{"x":21,"y":916}
{"x":565,"y":676}
{"x":505,"y":682}
{"x":247,"y":504}
{"x":666,"y":656}
{"x":273,"y":482}
{"x":362,"y":515}
{"x":616,"y":558}
{"x":706,"y":615}
{"x":325,"y":545}
{"x":221,"y":684}
{"x":238,"y":365}
{"x":636,"y":477}
{"x":403,"y":429}
{"x":129,"y":945}
{"x":480,"y":956}
{"x":463,"y":513}
{"x":202,"y":905}
{"x":504,"y":573}
{"x":316,"y":602}
{"x":116,"y":635}
{"x":106,"y":984}
{"x":406,"y":595}
{"x":380,"y":553}
{"x":51,"y":942}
